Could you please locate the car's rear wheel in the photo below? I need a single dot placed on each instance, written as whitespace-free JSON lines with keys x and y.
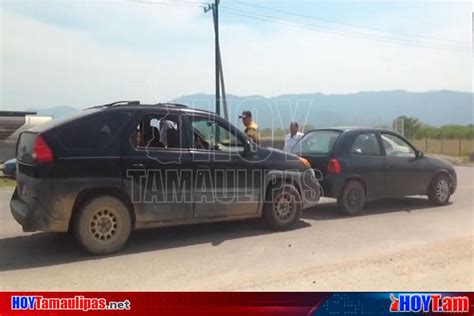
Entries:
{"x":440,"y":190}
{"x":283,"y":207}
{"x":352,"y":198}
{"x":102,"y":225}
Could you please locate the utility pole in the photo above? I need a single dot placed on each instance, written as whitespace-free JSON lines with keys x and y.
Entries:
{"x":224,"y":100}
{"x":214,"y":7}
{"x":215,"y":12}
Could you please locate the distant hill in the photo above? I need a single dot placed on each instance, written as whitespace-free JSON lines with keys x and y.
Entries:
{"x":363,"y":108}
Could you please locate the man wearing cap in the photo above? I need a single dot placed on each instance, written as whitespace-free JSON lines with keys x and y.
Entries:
{"x":251,"y":128}
{"x":292,"y":138}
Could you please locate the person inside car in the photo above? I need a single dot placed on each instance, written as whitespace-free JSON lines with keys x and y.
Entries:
{"x":139,"y":137}
{"x":165,"y":125}
{"x":155,"y":142}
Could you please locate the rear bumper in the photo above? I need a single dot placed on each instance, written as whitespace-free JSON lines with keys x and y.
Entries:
{"x":454,"y":181}
{"x":332,"y":186}
{"x":33,"y":217}
{"x":310,"y":189}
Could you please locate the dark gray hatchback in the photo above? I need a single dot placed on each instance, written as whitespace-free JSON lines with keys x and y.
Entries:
{"x":125,"y":166}
{"x":355,"y":164}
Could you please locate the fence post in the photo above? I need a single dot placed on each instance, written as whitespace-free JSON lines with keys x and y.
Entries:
{"x":460,"y":147}
{"x":426,"y":145}
{"x":442,"y":146}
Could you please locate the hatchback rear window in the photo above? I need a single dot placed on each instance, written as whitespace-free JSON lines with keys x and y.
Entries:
{"x":316,"y":142}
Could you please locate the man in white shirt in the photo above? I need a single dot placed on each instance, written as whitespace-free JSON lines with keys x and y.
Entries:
{"x":292,"y":138}
{"x":165,"y":125}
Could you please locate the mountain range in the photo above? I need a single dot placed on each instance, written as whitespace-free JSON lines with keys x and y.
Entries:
{"x":363,"y":108}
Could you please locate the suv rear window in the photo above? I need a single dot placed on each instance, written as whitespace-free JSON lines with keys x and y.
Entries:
{"x":25,"y":147}
{"x":92,"y":131}
{"x":316,"y":142}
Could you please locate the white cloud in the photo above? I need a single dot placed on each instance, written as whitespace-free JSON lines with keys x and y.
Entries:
{"x":47,"y":65}
{"x":295,"y":60}
{"x":153,"y":53}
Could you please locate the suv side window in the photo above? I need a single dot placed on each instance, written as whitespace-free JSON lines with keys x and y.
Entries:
{"x":92,"y":131}
{"x":156,"y":131}
{"x":396,"y":147}
{"x":209,"y":134}
{"x":366,"y":145}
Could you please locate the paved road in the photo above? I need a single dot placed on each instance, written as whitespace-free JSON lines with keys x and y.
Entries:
{"x":401,"y":244}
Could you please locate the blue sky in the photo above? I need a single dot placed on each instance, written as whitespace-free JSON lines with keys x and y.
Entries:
{"x":90,"y":52}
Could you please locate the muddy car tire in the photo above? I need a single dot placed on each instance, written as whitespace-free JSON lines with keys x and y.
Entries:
{"x":102,"y":225}
{"x":352,"y":198}
{"x":283,"y":207}
{"x":440,"y":190}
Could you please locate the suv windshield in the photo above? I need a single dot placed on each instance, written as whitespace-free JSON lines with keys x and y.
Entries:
{"x":316,"y":142}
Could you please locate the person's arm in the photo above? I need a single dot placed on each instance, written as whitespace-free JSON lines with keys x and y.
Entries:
{"x":253,"y":134}
{"x":257,"y":137}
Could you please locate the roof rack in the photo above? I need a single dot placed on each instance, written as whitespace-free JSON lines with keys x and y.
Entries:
{"x":114,"y":103}
{"x":123,"y":103}
{"x":179,"y":105}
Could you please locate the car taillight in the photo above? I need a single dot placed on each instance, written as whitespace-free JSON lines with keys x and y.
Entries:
{"x":41,"y":151}
{"x":334,"y":166}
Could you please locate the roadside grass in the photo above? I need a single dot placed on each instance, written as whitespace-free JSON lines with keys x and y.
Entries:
{"x":465,"y":159}
{"x":7,"y":183}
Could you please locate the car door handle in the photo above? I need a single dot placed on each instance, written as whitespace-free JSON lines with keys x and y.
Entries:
{"x":138,"y":165}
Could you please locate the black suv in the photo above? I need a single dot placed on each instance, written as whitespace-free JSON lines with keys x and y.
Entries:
{"x":124,"y":166}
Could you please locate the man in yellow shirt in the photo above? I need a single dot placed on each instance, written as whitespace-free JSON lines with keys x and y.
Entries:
{"x":251,"y":128}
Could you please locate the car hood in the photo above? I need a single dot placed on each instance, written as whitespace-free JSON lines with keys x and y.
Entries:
{"x":11,"y":161}
{"x":278,"y":158}
{"x":440,"y":162}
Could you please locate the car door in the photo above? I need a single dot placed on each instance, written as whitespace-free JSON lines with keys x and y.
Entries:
{"x":405,"y":171}
{"x":367,"y":162}
{"x":158,"y":177}
{"x":225,"y":183}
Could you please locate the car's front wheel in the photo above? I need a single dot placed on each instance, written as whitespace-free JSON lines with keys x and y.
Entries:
{"x":352,"y":198}
{"x":440,"y":190}
{"x":102,"y":225}
{"x":283,"y":207}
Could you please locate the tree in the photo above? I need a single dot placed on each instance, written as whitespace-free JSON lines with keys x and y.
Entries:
{"x":447,"y":132}
{"x":412,"y":126}
{"x":427,"y":131}
{"x":279,"y":132}
{"x":266,"y":132}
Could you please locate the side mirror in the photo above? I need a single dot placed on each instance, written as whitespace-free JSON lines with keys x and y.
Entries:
{"x":419,"y":154}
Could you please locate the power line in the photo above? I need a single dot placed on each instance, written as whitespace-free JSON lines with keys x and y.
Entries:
{"x":273,"y":19}
{"x":349,"y":24}
{"x":312,"y":27}
{"x":174,"y":3}
{"x":337,"y":31}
